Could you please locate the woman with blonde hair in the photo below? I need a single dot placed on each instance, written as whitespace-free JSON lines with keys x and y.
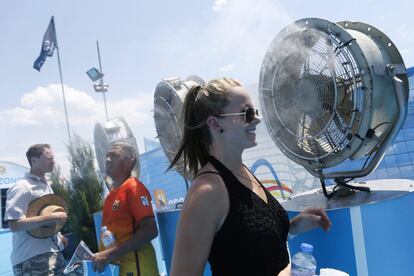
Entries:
{"x":229,"y":218}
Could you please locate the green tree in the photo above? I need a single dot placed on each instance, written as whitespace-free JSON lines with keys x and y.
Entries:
{"x":60,"y":187}
{"x":85,"y":192}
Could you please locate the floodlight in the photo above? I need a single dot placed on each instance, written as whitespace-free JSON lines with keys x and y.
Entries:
{"x":94,"y":74}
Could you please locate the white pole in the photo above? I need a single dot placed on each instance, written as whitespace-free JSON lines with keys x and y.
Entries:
{"x":61,"y":83}
{"x":102,"y":82}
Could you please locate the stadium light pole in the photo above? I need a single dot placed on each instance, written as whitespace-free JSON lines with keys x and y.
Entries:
{"x":97,"y":77}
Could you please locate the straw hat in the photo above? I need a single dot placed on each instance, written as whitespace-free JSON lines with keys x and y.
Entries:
{"x":43,"y":206}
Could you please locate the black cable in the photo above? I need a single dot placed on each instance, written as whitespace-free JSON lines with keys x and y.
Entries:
{"x":324,"y":188}
{"x":383,"y":123}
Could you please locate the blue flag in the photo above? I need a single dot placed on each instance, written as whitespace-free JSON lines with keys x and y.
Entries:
{"x":49,"y":44}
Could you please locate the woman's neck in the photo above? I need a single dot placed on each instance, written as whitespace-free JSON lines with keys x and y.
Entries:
{"x":229,"y":157}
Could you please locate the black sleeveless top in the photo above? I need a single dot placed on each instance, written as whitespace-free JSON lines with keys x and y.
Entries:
{"x":252,"y":239}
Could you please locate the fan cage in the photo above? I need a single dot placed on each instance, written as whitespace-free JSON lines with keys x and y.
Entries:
{"x":328,"y":64}
{"x":167,"y":126}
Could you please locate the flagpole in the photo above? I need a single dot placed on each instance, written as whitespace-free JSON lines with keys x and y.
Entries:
{"x":61,"y":83}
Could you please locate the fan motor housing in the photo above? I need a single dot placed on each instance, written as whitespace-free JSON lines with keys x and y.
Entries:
{"x":326,"y":90}
{"x":168,"y":101}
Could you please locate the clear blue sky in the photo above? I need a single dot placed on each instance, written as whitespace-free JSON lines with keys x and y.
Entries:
{"x":141,"y":43}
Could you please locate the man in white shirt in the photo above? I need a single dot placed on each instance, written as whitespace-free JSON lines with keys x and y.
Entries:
{"x":31,"y":255}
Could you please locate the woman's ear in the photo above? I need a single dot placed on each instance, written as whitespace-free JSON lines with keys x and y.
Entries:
{"x":214,"y":125}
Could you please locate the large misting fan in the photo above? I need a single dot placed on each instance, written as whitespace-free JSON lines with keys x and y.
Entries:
{"x":168,"y":101}
{"x":112,"y":131}
{"x":331,"y":92}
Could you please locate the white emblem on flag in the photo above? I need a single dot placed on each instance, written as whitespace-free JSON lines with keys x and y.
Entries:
{"x":144,"y":200}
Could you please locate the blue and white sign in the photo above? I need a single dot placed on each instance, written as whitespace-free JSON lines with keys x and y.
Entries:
{"x":10,"y":173}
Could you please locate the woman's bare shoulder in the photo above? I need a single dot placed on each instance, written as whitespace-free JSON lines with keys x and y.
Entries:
{"x":207,"y":187}
{"x":208,"y":178}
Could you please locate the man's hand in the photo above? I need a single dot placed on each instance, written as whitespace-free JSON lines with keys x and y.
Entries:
{"x":58,"y":217}
{"x":65,"y":241}
{"x":101,"y":259}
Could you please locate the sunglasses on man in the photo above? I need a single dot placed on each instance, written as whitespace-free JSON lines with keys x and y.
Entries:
{"x":249,"y":114}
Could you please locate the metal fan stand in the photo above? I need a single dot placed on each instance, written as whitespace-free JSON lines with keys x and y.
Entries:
{"x":340,"y":177}
{"x":342,"y":188}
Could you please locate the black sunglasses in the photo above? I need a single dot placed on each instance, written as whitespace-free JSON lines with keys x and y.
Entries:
{"x":249,"y":114}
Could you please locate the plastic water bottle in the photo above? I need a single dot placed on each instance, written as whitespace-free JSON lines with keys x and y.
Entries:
{"x":108,"y":239}
{"x":303,"y":263}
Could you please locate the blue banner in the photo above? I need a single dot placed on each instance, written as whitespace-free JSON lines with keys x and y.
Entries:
{"x":49,"y":44}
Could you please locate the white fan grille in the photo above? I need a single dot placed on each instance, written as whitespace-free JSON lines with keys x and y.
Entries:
{"x":315,"y":91}
{"x":168,"y":100}
{"x":167,"y":126}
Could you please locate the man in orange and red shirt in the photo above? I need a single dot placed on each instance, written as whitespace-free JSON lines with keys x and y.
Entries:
{"x":128,"y":214}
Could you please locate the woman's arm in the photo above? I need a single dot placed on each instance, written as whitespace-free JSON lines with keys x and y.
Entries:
{"x":204,"y":210}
